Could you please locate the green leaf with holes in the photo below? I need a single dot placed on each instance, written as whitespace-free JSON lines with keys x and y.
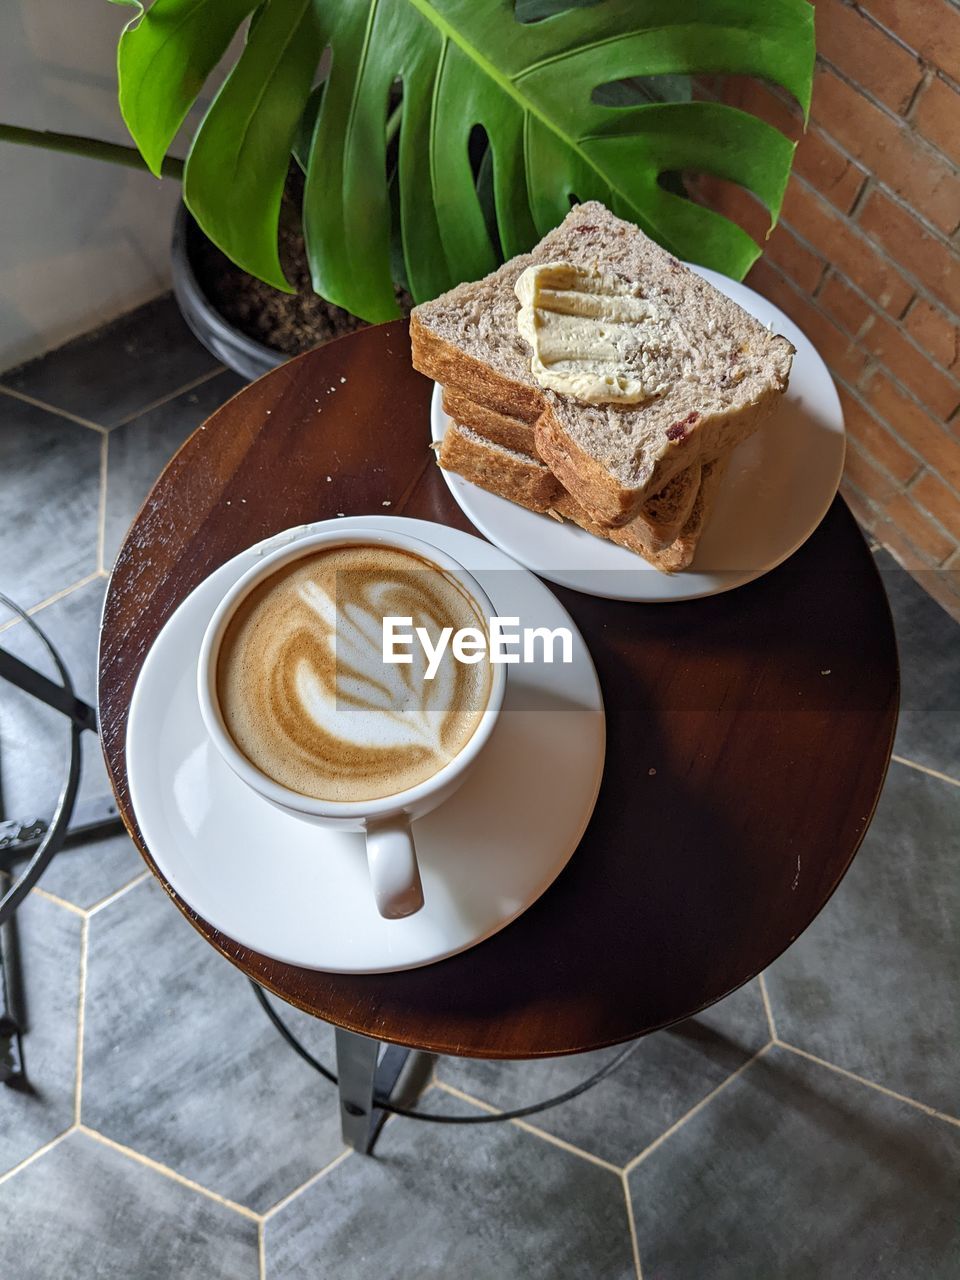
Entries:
{"x":542,"y":91}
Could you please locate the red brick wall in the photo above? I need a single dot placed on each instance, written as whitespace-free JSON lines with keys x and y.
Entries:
{"x":865,"y":259}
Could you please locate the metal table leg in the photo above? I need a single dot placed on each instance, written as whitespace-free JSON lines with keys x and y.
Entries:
{"x":364,"y":1075}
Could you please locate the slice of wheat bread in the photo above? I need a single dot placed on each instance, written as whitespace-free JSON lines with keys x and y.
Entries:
{"x":724,"y":374}
{"x":498,"y":427}
{"x":500,"y":470}
{"x":665,"y":513}
{"x":679,"y":554}
{"x":514,"y":476}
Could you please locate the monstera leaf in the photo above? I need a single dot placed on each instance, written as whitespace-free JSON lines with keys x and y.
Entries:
{"x":432,"y":72}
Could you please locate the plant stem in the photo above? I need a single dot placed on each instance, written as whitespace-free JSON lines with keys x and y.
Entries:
{"x":393,"y":122}
{"x":92,"y":148}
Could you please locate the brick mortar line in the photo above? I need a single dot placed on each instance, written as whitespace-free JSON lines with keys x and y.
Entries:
{"x":944,"y":236}
{"x":908,"y":111}
{"x":921,"y":461}
{"x":866,"y":186}
{"x":875,"y":310}
{"x":902,"y":319}
{"x":869,"y":175}
{"x":880,"y":519}
{"x":889,"y":373}
{"x":906,"y":487}
{"x":819,"y":125}
{"x":875,"y":511}
{"x":892,"y":35}
{"x":882,"y":252}
{"x":941,"y":73}
{"x":870,"y":181}
{"x":875,"y":22}
{"x":951,"y":609}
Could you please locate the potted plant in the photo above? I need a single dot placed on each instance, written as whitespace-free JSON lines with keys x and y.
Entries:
{"x":360,"y":154}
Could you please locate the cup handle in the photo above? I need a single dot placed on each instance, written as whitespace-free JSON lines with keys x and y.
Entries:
{"x":394,"y":873}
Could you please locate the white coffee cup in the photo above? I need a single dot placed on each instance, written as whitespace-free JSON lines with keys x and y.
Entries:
{"x":386,"y":821}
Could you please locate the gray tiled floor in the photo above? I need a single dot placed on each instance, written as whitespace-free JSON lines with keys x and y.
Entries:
{"x":181,"y":1065}
{"x":665,"y":1076}
{"x":139,"y":450}
{"x":50,"y":488}
{"x":205,"y":1148}
{"x":113,"y":373}
{"x":795,"y":1171}
{"x":84,"y":1210}
{"x":874,"y":983}
{"x":50,"y":940}
{"x":498,"y":1205}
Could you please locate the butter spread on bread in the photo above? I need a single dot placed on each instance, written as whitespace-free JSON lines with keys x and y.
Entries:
{"x":594,"y":336}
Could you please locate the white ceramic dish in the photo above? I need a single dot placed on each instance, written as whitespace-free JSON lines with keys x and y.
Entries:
{"x":776,"y":491}
{"x":301,"y":894}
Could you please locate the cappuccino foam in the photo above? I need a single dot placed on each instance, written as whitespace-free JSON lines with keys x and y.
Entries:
{"x":303,"y":688}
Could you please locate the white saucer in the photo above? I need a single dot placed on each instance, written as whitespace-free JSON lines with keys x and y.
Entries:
{"x":776,"y":491}
{"x":301,"y":894}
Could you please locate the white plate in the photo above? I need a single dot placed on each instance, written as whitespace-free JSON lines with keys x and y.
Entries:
{"x":776,"y":491}
{"x":301,"y":894}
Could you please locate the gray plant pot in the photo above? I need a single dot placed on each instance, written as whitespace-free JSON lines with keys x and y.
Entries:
{"x":244,"y":355}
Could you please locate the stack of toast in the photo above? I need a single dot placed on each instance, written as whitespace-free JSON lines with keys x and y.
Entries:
{"x":643,"y":475}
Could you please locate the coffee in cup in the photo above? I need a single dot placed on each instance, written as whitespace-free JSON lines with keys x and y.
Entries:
{"x":304,"y":690}
{"x":299,"y":700}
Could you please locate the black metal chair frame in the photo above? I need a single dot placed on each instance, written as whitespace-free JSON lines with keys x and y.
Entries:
{"x":39,"y":840}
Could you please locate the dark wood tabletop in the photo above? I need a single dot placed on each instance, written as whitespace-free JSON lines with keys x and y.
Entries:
{"x":748,"y":734}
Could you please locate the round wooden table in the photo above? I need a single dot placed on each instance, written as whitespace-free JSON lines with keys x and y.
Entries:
{"x":748,"y":734}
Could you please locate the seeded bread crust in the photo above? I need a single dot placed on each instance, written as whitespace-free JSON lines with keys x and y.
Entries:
{"x":505,"y":472}
{"x":497,"y":426}
{"x":728,"y":370}
{"x":522,"y":480}
{"x":664,"y":514}
{"x":679,"y":554}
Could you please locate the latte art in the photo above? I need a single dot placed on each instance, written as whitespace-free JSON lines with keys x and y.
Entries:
{"x":305,"y":693}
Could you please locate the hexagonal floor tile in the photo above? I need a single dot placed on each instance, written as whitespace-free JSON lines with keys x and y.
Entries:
{"x":181,"y":1064}
{"x":49,"y":941}
{"x":667,"y":1074}
{"x":49,"y":495}
{"x":109,"y":374}
{"x":140,"y":449}
{"x":872,"y":984}
{"x":797,"y":1173}
{"x":33,"y":744}
{"x":485,"y":1201}
{"x":929,"y":641}
{"x":83,"y":1210}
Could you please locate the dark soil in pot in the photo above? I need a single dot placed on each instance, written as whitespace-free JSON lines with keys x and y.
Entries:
{"x":288,"y":323}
